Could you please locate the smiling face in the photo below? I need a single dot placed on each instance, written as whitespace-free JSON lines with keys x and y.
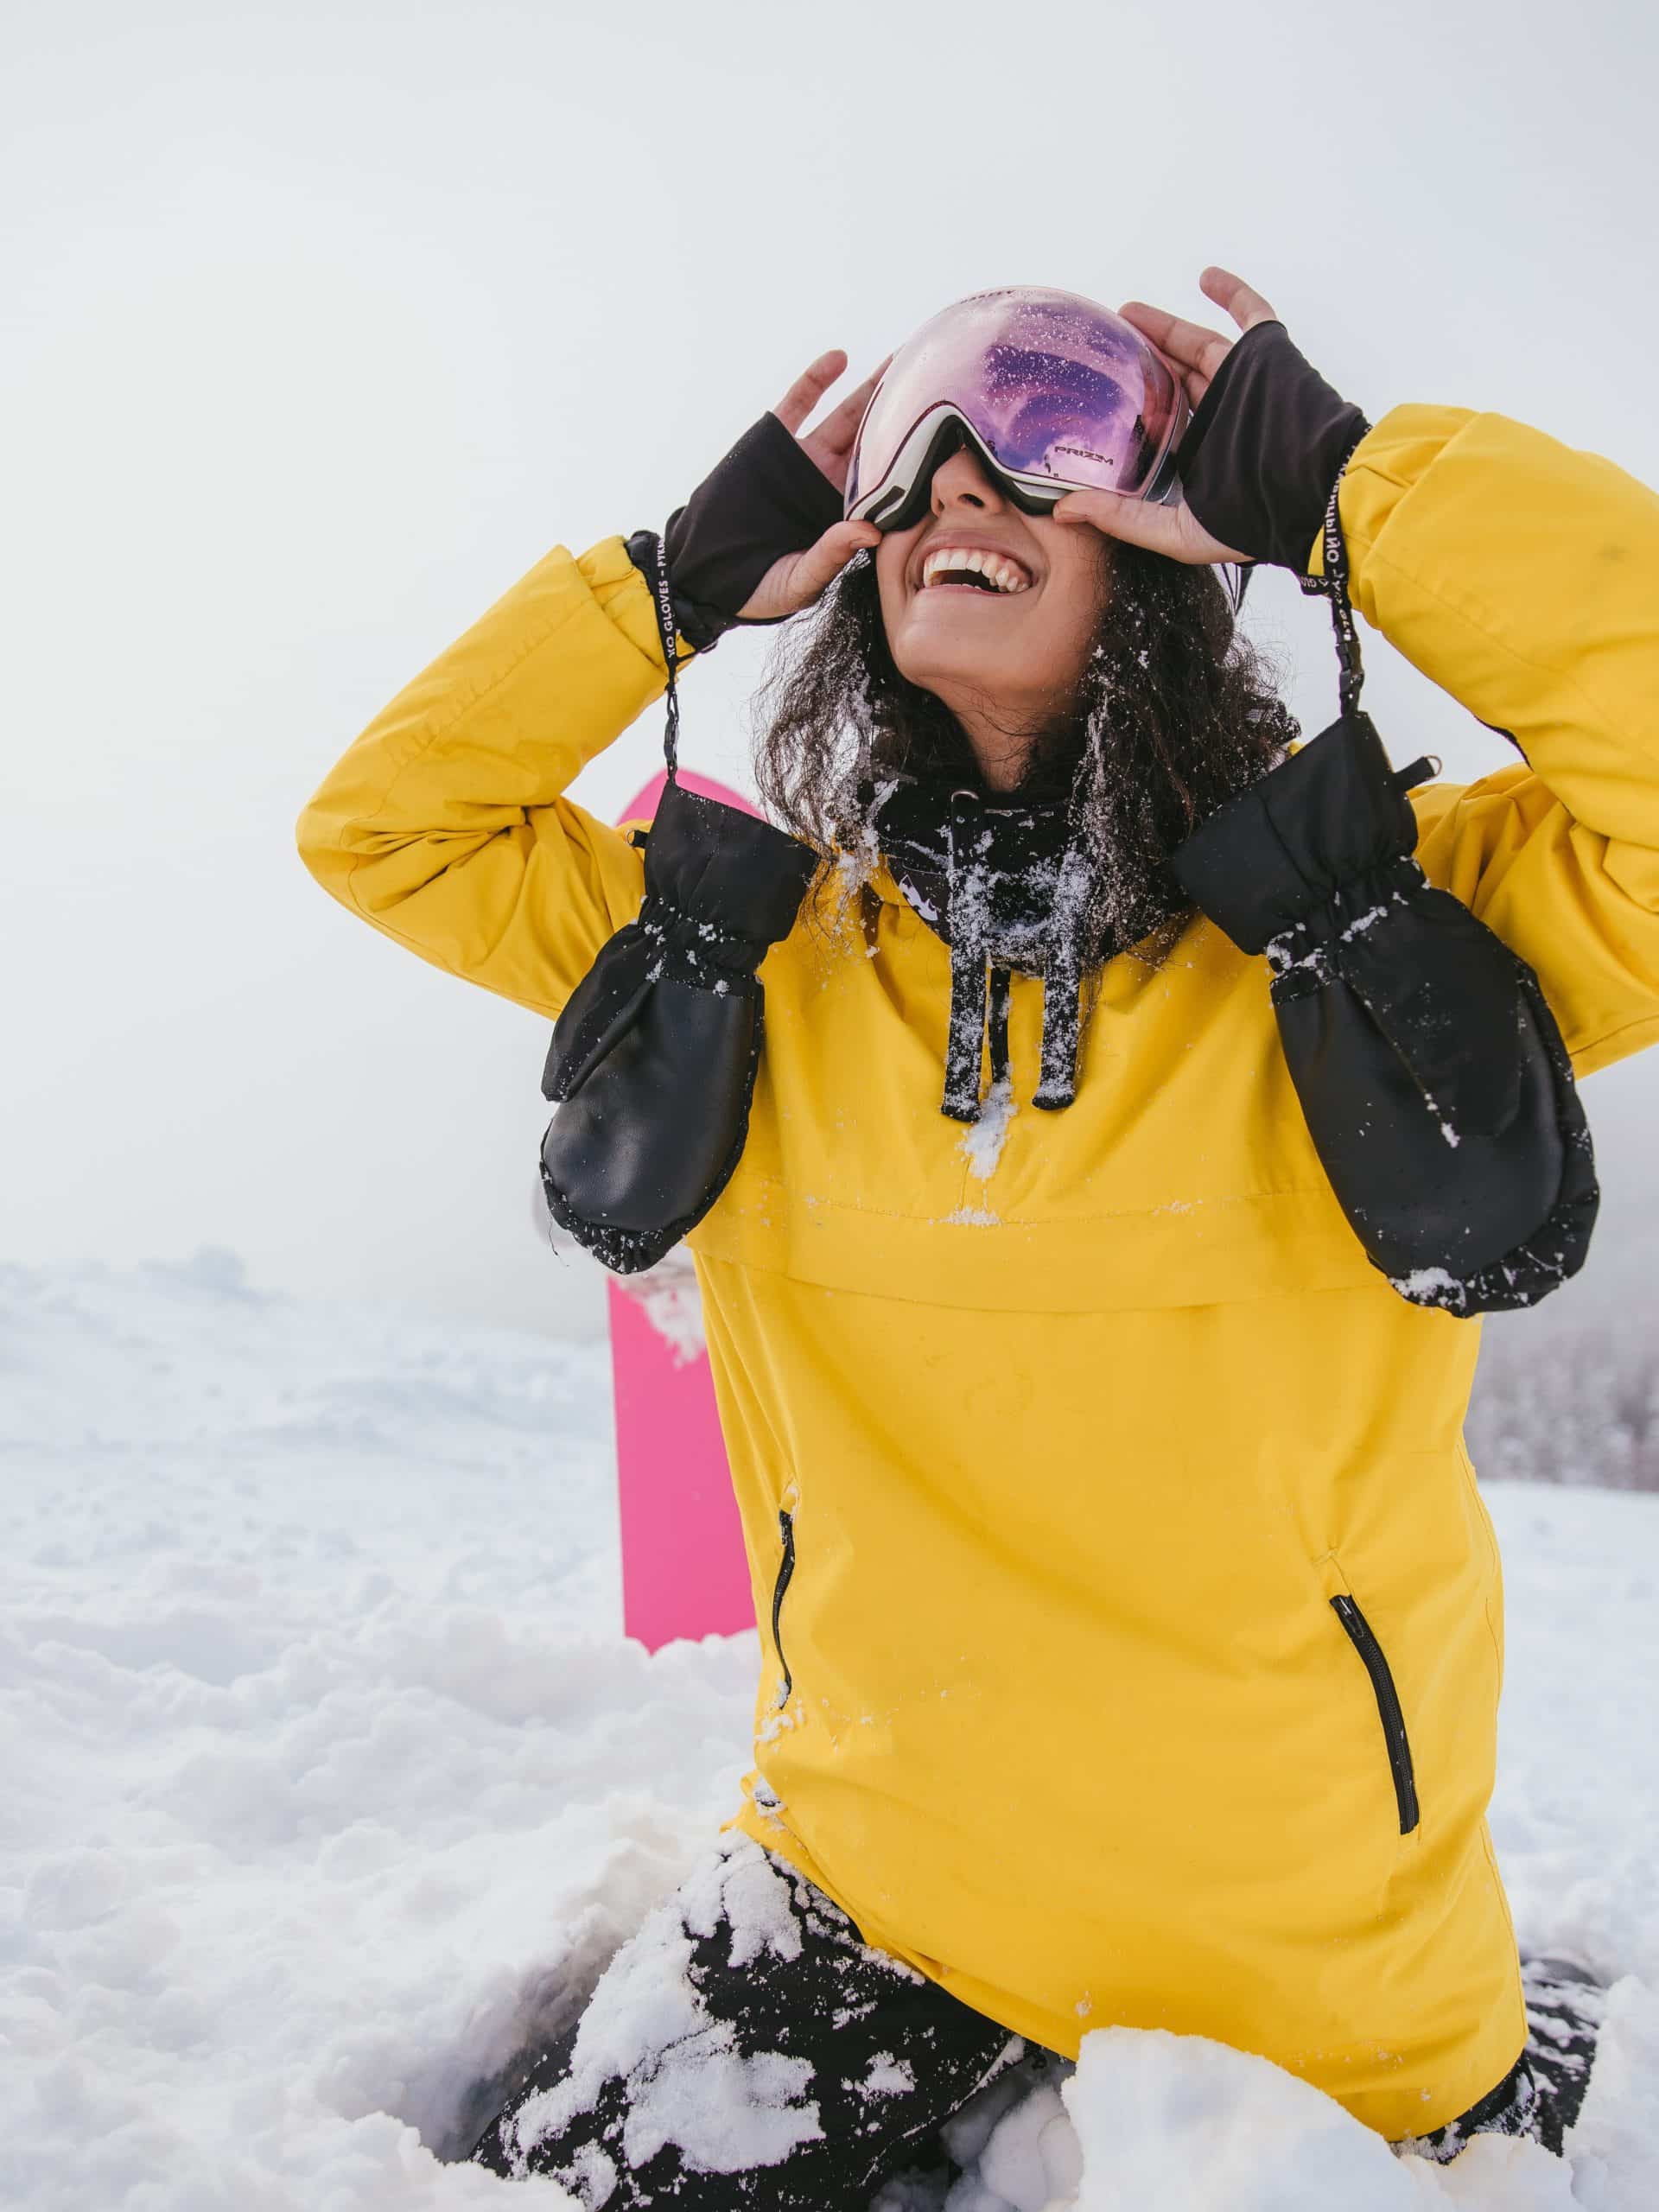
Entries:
{"x":994,"y":611}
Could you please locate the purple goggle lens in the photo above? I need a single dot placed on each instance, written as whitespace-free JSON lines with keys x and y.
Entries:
{"x":1058,"y":394}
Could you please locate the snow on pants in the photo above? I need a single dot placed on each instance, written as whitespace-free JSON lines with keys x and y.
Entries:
{"x":747,"y":2049}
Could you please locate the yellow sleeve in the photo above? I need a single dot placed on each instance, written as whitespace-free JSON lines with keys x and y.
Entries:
{"x":445,"y":824}
{"x":1523,"y":578}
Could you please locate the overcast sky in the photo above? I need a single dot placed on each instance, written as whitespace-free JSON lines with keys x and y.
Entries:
{"x":323,"y":322}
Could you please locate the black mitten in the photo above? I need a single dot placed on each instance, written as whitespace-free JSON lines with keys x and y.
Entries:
{"x":1436,"y":1086}
{"x":768,"y":497}
{"x":653,"y":1060}
{"x":652,"y":1064}
{"x":1267,"y":441}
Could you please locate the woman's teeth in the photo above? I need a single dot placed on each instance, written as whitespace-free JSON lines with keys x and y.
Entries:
{"x":960,"y":564}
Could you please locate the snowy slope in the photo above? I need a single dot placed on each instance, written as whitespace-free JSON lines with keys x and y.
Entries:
{"x":329,"y":1781}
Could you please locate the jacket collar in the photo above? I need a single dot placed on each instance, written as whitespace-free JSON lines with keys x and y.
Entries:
{"x":1005,"y":887}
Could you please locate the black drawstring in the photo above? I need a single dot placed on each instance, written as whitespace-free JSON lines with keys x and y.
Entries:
{"x":1063,"y":985}
{"x":969,"y":889}
{"x":996,"y":1022}
{"x":981,"y":983}
{"x":1057,"y":1084}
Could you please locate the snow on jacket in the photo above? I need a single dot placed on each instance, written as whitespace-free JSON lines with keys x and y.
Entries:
{"x":1049,"y":1479}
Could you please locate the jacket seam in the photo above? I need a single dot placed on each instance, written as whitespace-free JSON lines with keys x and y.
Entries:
{"x":1612,"y":1036}
{"x":750,"y":1262}
{"x":1039,"y":1221}
{"x":746,"y":1263}
{"x":1390,"y":471}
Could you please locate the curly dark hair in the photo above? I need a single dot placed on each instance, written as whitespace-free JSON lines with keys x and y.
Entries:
{"x":1174,"y":714}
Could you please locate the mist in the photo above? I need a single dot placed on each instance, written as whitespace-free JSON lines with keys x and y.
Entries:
{"x":325,"y":323}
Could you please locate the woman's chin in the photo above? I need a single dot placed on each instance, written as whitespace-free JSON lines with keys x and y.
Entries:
{"x":956,"y":646}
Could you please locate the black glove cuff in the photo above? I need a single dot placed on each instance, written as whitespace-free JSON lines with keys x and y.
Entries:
{"x":1334,"y":814}
{"x":1267,"y":443}
{"x":765,"y":499}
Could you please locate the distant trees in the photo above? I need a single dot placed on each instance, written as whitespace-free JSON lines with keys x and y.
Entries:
{"x":1569,"y":1405}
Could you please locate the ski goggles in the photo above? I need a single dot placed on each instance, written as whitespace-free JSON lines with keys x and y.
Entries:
{"x":1055,"y":393}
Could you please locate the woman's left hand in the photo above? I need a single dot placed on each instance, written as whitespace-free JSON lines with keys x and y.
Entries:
{"x":797,"y":580}
{"x":830,"y":446}
{"x":1196,"y":352}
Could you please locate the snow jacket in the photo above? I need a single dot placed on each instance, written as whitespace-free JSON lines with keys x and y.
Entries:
{"x":1131,"y":1623}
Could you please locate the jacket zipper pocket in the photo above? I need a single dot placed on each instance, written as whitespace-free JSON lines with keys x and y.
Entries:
{"x":1363,"y":1639}
{"x":785,"y":1568}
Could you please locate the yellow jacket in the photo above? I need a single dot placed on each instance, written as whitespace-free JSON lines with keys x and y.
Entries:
{"x":1058,"y":1472}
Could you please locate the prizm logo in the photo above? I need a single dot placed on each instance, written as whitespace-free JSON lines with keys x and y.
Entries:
{"x":1087,"y":452}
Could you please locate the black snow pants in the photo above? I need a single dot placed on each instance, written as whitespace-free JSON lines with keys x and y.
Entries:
{"x":747,"y":2050}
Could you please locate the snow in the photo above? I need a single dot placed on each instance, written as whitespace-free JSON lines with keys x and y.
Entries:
{"x":1255,"y":2139}
{"x":332,"y":1787}
{"x":889,"y":2076}
{"x":1368,"y":920}
{"x":981,"y":1147}
{"x":688,"y":2084}
{"x":1426,"y":1283}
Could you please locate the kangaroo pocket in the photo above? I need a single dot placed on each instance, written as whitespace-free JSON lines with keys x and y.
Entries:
{"x":1184,"y":1720}
{"x":1069,"y":1708}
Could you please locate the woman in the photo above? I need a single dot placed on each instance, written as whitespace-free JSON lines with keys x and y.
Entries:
{"x":1067,"y":1448}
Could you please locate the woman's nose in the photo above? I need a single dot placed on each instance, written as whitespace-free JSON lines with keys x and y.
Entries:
{"x":960,"y":481}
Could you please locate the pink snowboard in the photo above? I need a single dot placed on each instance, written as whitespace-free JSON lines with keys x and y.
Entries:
{"x":683,"y":1570}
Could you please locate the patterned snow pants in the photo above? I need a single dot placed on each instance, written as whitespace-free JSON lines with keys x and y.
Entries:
{"x":746,"y":2049}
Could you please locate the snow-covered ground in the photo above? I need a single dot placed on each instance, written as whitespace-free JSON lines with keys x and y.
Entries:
{"x":329,"y":1781}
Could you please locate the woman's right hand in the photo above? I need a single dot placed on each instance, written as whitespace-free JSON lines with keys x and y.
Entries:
{"x":796,"y":580}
